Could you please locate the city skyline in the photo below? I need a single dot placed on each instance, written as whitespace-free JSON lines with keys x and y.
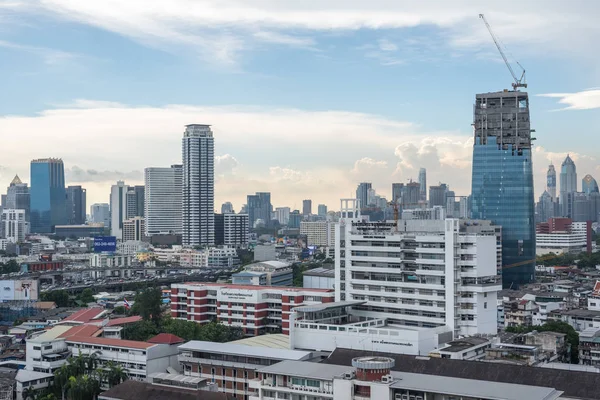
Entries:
{"x":380,"y":135}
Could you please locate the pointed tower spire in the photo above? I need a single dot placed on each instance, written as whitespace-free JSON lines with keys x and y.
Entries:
{"x":16,"y":180}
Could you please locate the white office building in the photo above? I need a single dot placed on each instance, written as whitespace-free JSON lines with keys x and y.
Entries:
{"x":118,"y":208}
{"x":198,"y":186}
{"x":282,"y":214}
{"x":163,"y":200}
{"x":100,"y":213}
{"x":14,"y":226}
{"x":319,"y":233}
{"x":573,"y":239}
{"x":418,"y":273}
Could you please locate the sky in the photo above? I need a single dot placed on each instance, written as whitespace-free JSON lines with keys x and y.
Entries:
{"x":306,"y":98}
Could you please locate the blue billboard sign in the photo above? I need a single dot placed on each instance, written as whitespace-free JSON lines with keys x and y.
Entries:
{"x":105,"y":244}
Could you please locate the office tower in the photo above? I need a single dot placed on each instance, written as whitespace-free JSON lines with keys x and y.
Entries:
{"x":568,"y":186}
{"x":140,"y":198}
{"x":3,"y":200}
{"x":100,"y":213}
{"x":48,"y":196}
{"x":437,"y":195}
{"x":227,"y":208}
{"x":163,"y":200}
{"x":118,"y":208}
{"x":502,"y":180}
{"x":134,"y":229}
{"x":198,"y":186}
{"x":362,"y":193}
{"x":551,"y":182}
{"x":282,"y":214}
{"x":306,"y":207}
{"x":423,"y":183}
{"x":544,"y":208}
{"x":294,"y":219}
{"x":76,"y":205}
{"x":17,"y":196}
{"x":411,"y":195}
{"x":322,"y":210}
{"x":589,"y":185}
{"x":441,"y":295}
{"x":231,"y":230}
{"x":259,"y":208}
{"x":397,"y":189}
{"x":583,"y":208}
{"x":13,"y":225}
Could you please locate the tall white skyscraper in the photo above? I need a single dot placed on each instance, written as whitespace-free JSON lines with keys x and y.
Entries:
{"x":118,"y":208}
{"x":198,"y":186}
{"x":163,"y":200}
{"x":100,"y":213}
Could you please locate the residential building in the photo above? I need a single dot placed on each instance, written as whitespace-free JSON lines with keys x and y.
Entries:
{"x":306,"y":208}
{"x":562,"y":235}
{"x":223,"y":257}
{"x":322,"y":211}
{"x":118,"y":208}
{"x":13,"y":225}
{"x":319,"y":233}
{"x":18,"y":197}
{"x":163,"y":191}
{"x":227,"y":208}
{"x":362,"y":194}
{"x":231,"y":230}
{"x":100,"y":213}
{"x":134,"y":229}
{"x":259,"y":208}
{"x":589,"y":347}
{"x":48,"y":196}
{"x":255,"y":309}
{"x":568,"y":186}
{"x":437,"y":195}
{"x":503,"y":176}
{"x":551,"y":182}
{"x":76,"y":205}
{"x":282,"y":214}
{"x":230,"y":365}
{"x":198,"y":186}
{"x":265,"y":273}
{"x":418,"y":273}
{"x":423,"y":183}
{"x":136,"y":201}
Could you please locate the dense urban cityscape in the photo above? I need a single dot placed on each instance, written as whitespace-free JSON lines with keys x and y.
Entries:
{"x":413,"y":291}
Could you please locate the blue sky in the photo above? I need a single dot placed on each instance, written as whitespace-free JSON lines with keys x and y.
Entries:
{"x":306,"y":99}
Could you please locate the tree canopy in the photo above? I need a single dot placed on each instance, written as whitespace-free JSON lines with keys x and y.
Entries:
{"x":187,"y":330}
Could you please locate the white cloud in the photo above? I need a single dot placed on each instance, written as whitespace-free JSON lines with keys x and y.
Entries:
{"x":78,"y":175}
{"x":280,"y":38}
{"x":584,"y":100}
{"x":368,"y":164}
{"x":225,"y":165}
{"x":50,"y":56}
{"x":386,"y":45}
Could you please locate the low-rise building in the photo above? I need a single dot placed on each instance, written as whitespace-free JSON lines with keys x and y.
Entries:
{"x":223,"y":257}
{"x":469,"y":348}
{"x":561,"y":235}
{"x":320,"y":278}
{"x":589,"y":347}
{"x":265,"y":273}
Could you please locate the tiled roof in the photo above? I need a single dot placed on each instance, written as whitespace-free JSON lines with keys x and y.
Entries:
{"x":165,"y":338}
{"x":124,"y":321}
{"x":134,"y":390}
{"x":256,"y":287}
{"x":131,"y":344}
{"x":85,"y":315}
{"x":81,"y":331}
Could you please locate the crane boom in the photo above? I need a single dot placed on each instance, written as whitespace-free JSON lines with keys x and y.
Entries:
{"x":518,"y":82}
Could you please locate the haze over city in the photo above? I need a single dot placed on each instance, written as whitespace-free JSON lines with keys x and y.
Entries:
{"x":305,"y":99}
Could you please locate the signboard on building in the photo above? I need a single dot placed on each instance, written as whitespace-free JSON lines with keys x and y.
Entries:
{"x":237,"y":295}
{"x":7,"y":290}
{"x":105,"y":244}
{"x":22,"y":289}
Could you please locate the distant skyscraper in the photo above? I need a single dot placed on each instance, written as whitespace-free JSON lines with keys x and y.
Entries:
{"x":568,"y":186}
{"x":231,"y":230}
{"x":423,"y":183}
{"x":136,"y":198}
{"x":545,"y":207}
{"x":163,"y":200}
{"x":306,"y":207}
{"x":322,"y":210}
{"x":295,"y":219}
{"x":198,"y":146}
{"x":227,"y":208}
{"x":282,"y":214}
{"x":48,"y":196}
{"x":100,"y":213}
{"x":551,"y":182}
{"x":502,"y":180}
{"x":437,"y":195}
{"x":76,"y":205}
{"x":410,"y":195}
{"x":397,"y":189}
{"x":13,"y":225}
{"x":589,"y":185}
{"x":118,"y":208}
{"x":362,"y":194}
{"x":17,"y":196}
{"x":259,"y":207}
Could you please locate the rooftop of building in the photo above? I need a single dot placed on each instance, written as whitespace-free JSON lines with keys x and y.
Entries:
{"x":579,"y":312}
{"x":24,"y":375}
{"x":135,"y":390}
{"x":272,"y":341}
{"x":82,"y":331}
{"x":86,"y":315}
{"x":166,"y":338}
{"x":124,"y":320}
{"x":329,"y":306}
{"x":53,"y":333}
{"x":267,"y":266}
{"x":253,"y":287}
{"x":128,"y":344}
{"x":321,"y":272}
{"x":307,"y":369}
{"x":245,"y":350}
{"x":575,"y":384}
{"x":458,"y":345}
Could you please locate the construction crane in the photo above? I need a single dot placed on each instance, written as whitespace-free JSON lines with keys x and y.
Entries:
{"x":543,"y":258}
{"x":395,"y":205}
{"x":518,"y":82}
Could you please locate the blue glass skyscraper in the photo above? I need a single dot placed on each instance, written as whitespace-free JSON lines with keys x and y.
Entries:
{"x":502,"y":180}
{"x":48,"y":195}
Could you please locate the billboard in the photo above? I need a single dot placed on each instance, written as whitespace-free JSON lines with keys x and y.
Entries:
{"x":22,"y":289}
{"x":105,"y":243}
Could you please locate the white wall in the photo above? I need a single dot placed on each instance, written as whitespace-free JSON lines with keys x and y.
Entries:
{"x":318,"y":282}
{"x":486,"y":255}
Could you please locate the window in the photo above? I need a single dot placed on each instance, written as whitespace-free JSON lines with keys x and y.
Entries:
{"x":485,"y":305}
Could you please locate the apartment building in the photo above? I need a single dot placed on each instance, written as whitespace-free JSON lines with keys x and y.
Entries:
{"x":255,"y":309}
{"x":319,"y":233}
{"x":418,"y":273}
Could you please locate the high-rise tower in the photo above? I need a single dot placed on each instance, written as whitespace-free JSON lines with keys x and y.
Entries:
{"x":568,"y":186}
{"x":551,"y":182}
{"x":163,"y":200}
{"x":362,"y":194}
{"x":118,"y":208}
{"x":423,"y":183}
{"x":198,"y":198}
{"x":76,"y":205}
{"x":17,"y":196}
{"x":502,"y":184}
{"x":48,"y":196}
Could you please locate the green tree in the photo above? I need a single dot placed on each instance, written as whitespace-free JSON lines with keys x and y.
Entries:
{"x":148,"y":305}
{"x":86,"y":296}
{"x":83,"y":387}
{"x":60,"y":297}
{"x":114,"y":374}
{"x":141,"y":331}
{"x":29,"y":393}
{"x":120,"y":310}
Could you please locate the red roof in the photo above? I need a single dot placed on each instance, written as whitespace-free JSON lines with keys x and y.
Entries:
{"x":81,"y":330}
{"x":166,"y":338}
{"x":85,"y":315}
{"x":597,"y":288}
{"x":124,"y":321}
{"x":128,"y":344}
{"x":257,"y":287}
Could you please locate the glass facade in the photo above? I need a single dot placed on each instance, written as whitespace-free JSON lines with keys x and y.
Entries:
{"x":48,"y":195}
{"x":502,"y":180}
